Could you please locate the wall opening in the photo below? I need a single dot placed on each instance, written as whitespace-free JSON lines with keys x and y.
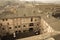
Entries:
{"x":30,"y":29}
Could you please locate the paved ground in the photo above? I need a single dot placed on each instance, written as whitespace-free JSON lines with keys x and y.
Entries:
{"x":38,"y":39}
{"x":45,"y":36}
{"x":57,"y":37}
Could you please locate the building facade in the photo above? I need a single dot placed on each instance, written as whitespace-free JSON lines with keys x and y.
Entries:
{"x":19,"y":24}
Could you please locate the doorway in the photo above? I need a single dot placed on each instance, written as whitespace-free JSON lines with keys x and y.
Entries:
{"x":30,"y":29}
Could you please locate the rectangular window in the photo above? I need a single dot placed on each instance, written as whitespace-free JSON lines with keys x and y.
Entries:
{"x":10,"y":27}
{"x":31,"y":24}
{"x":3,"y":29}
{"x":24,"y":26}
{"x":7,"y":23}
{"x":6,"y":19}
{"x":19,"y":26}
{"x":0,"y":24}
{"x":15,"y":26}
{"x":3,"y":19}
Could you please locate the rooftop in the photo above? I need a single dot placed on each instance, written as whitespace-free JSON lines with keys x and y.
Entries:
{"x":32,"y":11}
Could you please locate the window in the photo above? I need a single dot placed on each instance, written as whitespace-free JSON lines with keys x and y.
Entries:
{"x":3,"y":29}
{"x":6,"y":19}
{"x":10,"y":28}
{"x":31,"y":24}
{"x":35,"y":20}
{"x":0,"y":24}
{"x":7,"y":23}
{"x":30,"y":29}
{"x":15,"y":26}
{"x":3,"y":19}
{"x":19,"y":26}
{"x":31,"y":19}
{"x":24,"y":26}
{"x":19,"y":31}
{"x":37,"y":24}
{"x":16,"y":31}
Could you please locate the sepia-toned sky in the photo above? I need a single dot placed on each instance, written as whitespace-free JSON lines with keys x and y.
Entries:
{"x":45,"y":1}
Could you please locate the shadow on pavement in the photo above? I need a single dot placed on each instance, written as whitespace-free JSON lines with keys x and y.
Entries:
{"x":18,"y":36}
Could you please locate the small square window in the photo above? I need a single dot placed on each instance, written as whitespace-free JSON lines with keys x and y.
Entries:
{"x":3,"y":19}
{"x":19,"y":31}
{"x":10,"y":28}
{"x":3,"y":29}
{"x":31,"y":24}
{"x":19,"y":26}
{"x":0,"y":24}
{"x":24,"y":26}
{"x":35,"y":20}
{"x":15,"y":26}
{"x":16,"y":31}
{"x":6,"y":19}
{"x":7,"y":23}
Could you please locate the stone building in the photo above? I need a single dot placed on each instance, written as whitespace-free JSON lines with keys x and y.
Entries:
{"x":11,"y":23}
{"x":28,"y":19}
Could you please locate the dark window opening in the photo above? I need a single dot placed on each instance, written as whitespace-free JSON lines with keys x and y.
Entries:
{"x":19,"y":31}
{"x":31,"y":19}
{"x":0,"y":24}
{"x":15,"y":26}
{"x":24,"y":26}
{"x":35,"y":20}
{"x":10,"y":28}
{"x":3,"y":19}
{"x":6,"y":19}
{"x":37,"y":24}
{"x":31,"y":24}
{"x":24,"y":31}
{"x":19,"y":26}
{"x":3,"y":29}
{"x":30,"y":29}
{"x":7,"y":23}
{"x":16,"y":32}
